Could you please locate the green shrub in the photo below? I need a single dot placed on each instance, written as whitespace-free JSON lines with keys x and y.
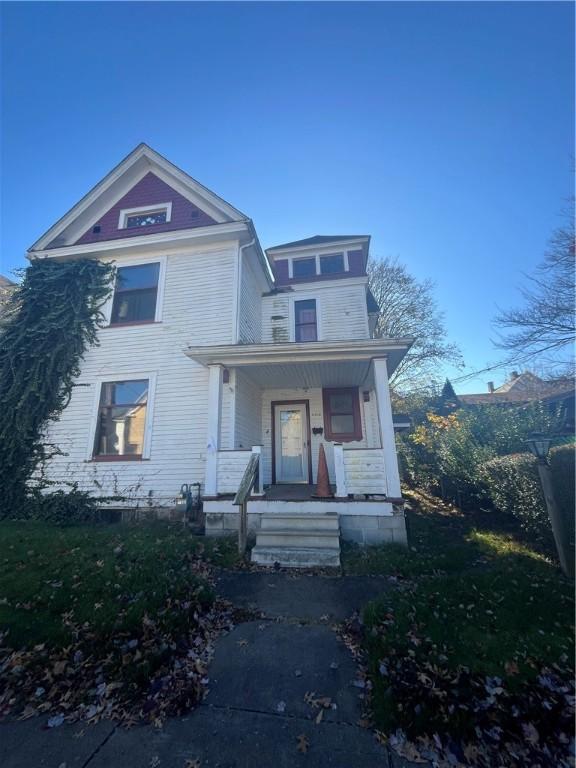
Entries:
{"x":514,"y":487}
{"x":63,"y":506}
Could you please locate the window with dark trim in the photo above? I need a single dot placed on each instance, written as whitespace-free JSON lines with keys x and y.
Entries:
{"x":135,"y":294}
{"x":306,"y":328}
{"x":332,"y":263}
{"x":342,"y":421}
{"x":304,"y":267}
{"x":121,"y":423}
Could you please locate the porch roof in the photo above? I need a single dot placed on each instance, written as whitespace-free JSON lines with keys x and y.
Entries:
{"x":310,"y":364}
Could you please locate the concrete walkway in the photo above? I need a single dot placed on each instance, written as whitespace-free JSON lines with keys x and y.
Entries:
{"x":270,"y":680}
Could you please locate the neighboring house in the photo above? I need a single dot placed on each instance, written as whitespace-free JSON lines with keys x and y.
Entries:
{"x":213,"y":350}
{"x":524,"y":388}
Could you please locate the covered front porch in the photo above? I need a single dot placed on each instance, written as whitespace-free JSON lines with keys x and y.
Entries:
{"x":285,"y":401}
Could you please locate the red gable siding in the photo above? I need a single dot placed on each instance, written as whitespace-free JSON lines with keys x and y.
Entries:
{"x":149,"y":191}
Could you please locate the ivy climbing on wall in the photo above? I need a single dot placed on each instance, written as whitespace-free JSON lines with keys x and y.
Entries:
{"x":48,"y":324}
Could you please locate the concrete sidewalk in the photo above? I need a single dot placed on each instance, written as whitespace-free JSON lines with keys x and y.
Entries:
{"x":269,"y":681}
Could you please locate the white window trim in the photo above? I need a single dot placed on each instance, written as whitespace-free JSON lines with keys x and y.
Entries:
{"x":316,"y":256}
{"x":135,"y":262}
{"x":125,"y":212}
{"x":110,"y":378}
{"x":292,"y":316}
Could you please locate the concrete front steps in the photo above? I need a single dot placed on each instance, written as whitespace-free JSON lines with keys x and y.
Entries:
{"x":298,"y":540}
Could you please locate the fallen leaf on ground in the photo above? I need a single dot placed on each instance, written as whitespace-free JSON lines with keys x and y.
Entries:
{"x":303,"y":744}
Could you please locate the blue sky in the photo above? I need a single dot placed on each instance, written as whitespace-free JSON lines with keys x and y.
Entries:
{"x":445,"y":130}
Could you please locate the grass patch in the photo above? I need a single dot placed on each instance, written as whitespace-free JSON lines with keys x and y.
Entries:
{"x":109,"y":575}
{"x":479,"y":634}
{"x":83,"y":608}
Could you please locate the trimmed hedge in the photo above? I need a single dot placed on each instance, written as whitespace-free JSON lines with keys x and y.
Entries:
{"x":514,"y":487}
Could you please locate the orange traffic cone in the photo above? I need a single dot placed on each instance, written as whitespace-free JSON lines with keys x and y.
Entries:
{"x":322,"y":481}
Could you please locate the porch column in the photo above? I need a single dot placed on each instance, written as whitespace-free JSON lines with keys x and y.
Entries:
{"x":213,"y":434}
{"x":386,"y":428}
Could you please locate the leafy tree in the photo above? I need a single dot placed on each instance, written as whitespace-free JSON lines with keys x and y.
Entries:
{"x":52,"y":318}
{"x":408,"y":308}
{"x":543,"y":328}
{"x":445,"y":453}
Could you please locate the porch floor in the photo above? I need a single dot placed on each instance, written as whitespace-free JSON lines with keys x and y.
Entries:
{"x":289,"y":492}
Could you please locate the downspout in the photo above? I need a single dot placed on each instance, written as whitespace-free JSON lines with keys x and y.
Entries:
{"x":236,"y":339}
{"x":239,"y":293}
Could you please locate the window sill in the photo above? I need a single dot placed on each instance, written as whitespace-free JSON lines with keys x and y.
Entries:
{"x":134,"y":323}
{"x":125,"y":457}
{"x":343,"y":438}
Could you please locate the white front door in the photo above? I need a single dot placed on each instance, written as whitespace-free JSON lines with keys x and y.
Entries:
{"x":291,"y":443}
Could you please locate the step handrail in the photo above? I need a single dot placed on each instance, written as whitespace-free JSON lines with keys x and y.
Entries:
{"x":247,"y":483}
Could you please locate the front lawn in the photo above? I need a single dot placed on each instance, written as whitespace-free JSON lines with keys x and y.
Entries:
{"x":471,"y":657}
{"x":106,"y":620}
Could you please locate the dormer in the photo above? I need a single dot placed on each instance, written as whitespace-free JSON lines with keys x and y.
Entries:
{"x":319,"y":258}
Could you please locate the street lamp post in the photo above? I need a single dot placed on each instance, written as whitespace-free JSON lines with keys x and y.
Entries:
{"x":539,"y":445}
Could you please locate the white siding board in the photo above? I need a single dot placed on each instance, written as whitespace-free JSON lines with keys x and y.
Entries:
{"x":365,"y":472}
{"x":250,"y":316}
{"x":342,"y":312}
{"x":248,"y":412}
{"x":198,"y":301}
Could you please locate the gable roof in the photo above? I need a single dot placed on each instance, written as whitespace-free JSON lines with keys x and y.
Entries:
{"x":318,"y":240}
{"x":119,"y":181}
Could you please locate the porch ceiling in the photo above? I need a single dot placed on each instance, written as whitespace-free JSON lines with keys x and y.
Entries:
{"x":314,"y":364}
{"x":310,"y":375}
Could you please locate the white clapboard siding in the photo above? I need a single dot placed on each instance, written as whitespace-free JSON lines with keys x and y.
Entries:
{"x":342,"y":312}
{"x":248,"y":412}
{"x":230,"y":469}
{"x":250,"y":316}
{"x":275,"y":319}
{"x":197,"y":308}
{"x":364,"y":471}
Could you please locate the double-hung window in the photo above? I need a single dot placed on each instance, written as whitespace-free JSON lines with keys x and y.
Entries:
{"x":305,"y":320}
{"x":121,"y":421}
{"x":135,"y":294}
{"x":342,"y":420}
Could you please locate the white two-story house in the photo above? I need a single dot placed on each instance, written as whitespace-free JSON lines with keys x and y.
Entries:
{"x":213,"y":350}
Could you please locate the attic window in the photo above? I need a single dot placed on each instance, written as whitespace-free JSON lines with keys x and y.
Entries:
{"x":147,"y":216}
{"x":304,"y":267}
{"x":332,"y":263}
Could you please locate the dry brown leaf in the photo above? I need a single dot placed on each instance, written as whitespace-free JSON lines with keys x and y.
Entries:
{"x":303,"y":743}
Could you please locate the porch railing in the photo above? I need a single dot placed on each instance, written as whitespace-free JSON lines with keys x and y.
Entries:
{"x":359,"y":471}
{"x":249,"y":480}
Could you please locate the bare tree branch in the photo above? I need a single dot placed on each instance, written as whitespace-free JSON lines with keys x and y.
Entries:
{"x":408,"y":308}
{"x":543,"y":329}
